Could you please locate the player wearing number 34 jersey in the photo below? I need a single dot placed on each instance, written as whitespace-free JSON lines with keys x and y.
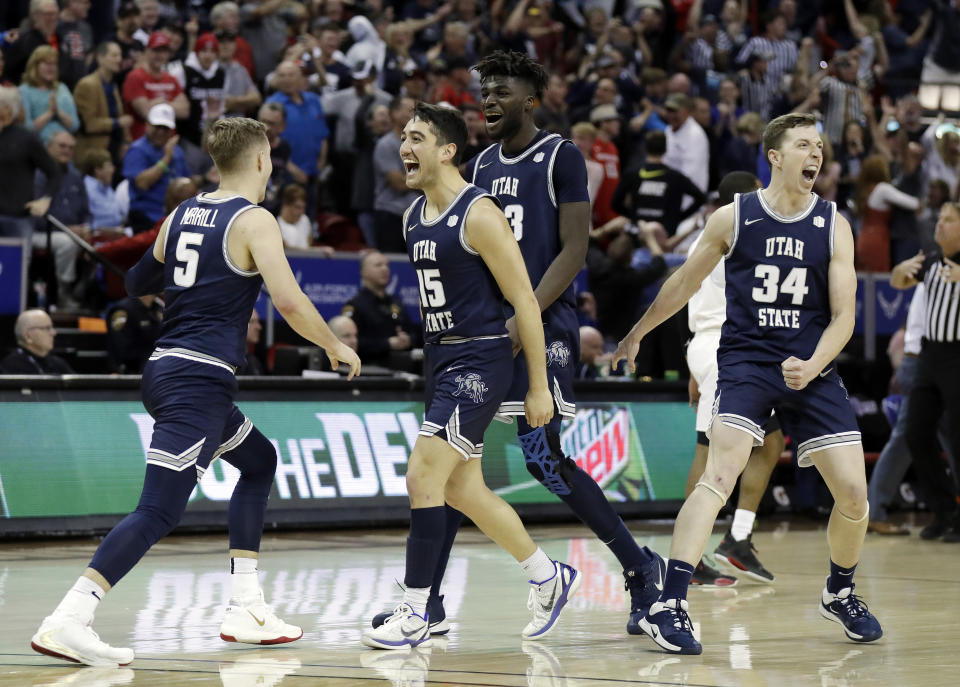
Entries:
{"x":790,"y":293}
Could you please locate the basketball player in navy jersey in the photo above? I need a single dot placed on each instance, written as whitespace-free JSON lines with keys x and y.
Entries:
{"x":540,"y":181}
{"x":790,"y":290}
{"x":210,"y":259}
{"x":467,"y":262}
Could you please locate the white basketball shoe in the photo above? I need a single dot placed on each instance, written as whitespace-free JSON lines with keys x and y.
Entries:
{"x":547,"y":600}
{"x":256,"y":623}
{"x":403,"y":629}
{"x":67,"y":637}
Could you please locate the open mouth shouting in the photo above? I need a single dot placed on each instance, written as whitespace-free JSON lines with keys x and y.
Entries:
{"x":411,"y":166}
{"x":810,"y":172}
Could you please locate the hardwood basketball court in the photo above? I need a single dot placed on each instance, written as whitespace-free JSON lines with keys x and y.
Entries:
{"x":169,"y":609}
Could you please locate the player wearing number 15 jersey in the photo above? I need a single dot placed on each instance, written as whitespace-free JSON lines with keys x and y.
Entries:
{"x":540,"y":182}
{"x":210,"y":258}
{"x":467,"y":262}
{"x":790,"y":292}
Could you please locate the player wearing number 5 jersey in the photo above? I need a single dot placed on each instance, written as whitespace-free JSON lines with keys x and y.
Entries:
{"x":790,"y":292}
{"x":210,"y":259}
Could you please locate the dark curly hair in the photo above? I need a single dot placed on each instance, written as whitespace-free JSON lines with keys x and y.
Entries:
{"x":517,"y":65}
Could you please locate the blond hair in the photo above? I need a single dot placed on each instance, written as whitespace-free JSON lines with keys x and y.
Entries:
{"x":41,"y":54}
{"x":228,"y":140}
{"x":584,"y":129}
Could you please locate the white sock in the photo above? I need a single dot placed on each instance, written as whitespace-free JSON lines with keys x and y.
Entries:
{"x":742,"y":524}
{"x":539,"y":567}
{"x":81,"y":600}
{"x":244,"y":580}
{"x":416,"y":598}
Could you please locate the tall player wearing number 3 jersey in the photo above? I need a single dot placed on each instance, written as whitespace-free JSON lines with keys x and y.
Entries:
{"x":790,"y":290}
{"x":210,"y":259}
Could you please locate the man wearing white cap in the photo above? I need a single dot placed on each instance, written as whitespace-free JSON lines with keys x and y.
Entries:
{"x":151,"y":163}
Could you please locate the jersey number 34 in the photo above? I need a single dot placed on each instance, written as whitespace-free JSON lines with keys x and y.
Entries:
{"x":770,"y":287}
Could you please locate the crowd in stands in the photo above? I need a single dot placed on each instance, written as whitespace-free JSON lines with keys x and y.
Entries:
{"x":104,"y":105}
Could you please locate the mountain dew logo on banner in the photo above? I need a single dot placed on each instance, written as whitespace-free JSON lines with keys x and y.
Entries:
{"x":603,"y":442}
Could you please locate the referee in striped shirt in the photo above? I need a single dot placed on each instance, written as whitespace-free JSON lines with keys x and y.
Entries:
{"x":937,"y":385}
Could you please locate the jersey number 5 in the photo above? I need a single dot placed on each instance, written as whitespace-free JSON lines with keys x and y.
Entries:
{"x":431,"y":288}
{"x":186,"y":274}
{"x":514,"y":215}
{"x":795,"y":284}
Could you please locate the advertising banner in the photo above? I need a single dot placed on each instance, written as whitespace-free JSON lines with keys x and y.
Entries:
{"x":13,"y":276}
{"x":331,"y":282}
{"x":89,"y":457}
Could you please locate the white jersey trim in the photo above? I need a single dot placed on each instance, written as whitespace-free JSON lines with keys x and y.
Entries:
{"x":467,"y":339}
{"x":476,"y":163}
{"x":787,"y":220}
{"x":194,"y":356}
{"x":463,"y":224}
{"x":226,"y":253}
{"x":736,"y":226}
{"x":821,"y":443}
{"x":406,"y":216}
{"x":436,"y":220}
{"x":833,"y":225}
{"x":551,"y":191}
{"x":514,"y":160}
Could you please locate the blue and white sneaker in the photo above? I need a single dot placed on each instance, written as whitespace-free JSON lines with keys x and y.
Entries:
{"x":435,"y":611}
{"x":668,"y":624}
{"x":548,"y":599}
{"x":849,"y":610}
{"x":404,"y":628}
{"x":644,"y":582}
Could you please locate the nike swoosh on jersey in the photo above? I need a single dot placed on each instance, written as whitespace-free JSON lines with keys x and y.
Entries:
{"x":748,"y":222}
{"x":486,"y":164}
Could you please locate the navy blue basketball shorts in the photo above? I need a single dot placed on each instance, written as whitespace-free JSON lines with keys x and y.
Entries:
{"x":195,"y":419}
{"x":817,"y":417}
{"x":465,"y":384}
{"x":561,"y":333}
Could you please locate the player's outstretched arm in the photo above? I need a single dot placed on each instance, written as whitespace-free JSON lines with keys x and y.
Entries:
{"x":260,"y":235}
{"x":488,"y":232}
{"x":146,"y":277}
{"x":842,"y":277}
{"x":682,"y":284}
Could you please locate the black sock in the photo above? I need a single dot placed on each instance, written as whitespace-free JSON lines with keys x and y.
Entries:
{"x":427,"y":528}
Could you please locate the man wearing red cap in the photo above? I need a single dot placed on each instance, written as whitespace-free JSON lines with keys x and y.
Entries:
{"x":149,"y":85}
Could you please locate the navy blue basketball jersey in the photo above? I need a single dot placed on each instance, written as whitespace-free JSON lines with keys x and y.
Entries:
{"x":208,"y":298}
{"x":459,"y":298}
{"x":778,"y":301}
{"x":526,"y":189}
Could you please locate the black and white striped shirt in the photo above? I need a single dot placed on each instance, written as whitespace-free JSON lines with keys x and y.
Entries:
{"x":701,"y":54}
{"x":783,"y":60}
{"x":841,"y":103}
{"x":757,"y":96}
{"x":942,"y":316}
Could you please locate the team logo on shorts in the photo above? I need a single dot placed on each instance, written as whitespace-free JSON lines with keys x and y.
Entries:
{"x":558,"y":354}
{"x":471,"y":385}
